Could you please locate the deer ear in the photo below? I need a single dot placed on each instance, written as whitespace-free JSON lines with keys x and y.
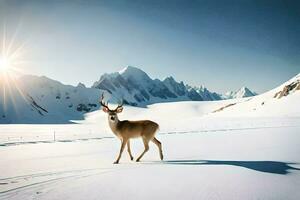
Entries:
{"x":105,"y":109}
{"x":119,"y":109}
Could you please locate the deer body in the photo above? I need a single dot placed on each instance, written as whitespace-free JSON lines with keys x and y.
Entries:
{"x":126,"y":130}
{"x":133,"y":129}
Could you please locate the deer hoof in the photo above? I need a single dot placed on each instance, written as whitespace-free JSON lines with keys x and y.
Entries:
{"x":131,"y":158}
{"x":116,"y":162}
{"x":137,"y":160}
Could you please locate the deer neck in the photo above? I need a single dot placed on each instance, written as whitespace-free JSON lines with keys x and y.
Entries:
{"x":114,"y":124}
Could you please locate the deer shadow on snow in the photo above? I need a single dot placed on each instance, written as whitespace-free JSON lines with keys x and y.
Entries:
{"x":274,"y":167}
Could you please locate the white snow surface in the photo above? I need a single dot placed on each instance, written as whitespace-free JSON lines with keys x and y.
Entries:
{"x":246,"y":151}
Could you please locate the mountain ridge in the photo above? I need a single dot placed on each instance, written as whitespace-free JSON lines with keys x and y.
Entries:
{"x":138,"y":89}
{"x":39,"y":99}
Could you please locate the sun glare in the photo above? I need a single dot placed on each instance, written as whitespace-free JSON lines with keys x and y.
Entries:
{"x":5,"y":64}
{"x":11,"y":64}
{"x":11,"y":56}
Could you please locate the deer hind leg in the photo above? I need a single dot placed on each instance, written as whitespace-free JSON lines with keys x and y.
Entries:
{"x":146,"y":144}
{"x":158,"y":143}
{"x":129,"y":150}
{"x":121,"y":151}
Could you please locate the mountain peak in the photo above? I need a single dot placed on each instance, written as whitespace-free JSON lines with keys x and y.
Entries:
{"x":169,"y":78}
{"x":240,"y":93}
{"x":130,"y":72}
{"x":244,"y":88}
{"x":81,"y":85}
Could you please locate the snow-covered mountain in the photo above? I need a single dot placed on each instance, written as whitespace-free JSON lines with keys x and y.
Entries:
{"x":33,"y":99}
{"x":205,"y":93}
{"x":136,"y":88}
{"x":241,"y":93}
{"x":282,"y":100}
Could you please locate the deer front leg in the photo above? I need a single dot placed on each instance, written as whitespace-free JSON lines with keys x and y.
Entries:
{"x":158,"y":143}
{"x":129,"y":150}
{"x":146,"y":144}
{"x":121,"y":151}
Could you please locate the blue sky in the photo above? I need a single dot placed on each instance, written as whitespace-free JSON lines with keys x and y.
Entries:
{"x":221,"y":44}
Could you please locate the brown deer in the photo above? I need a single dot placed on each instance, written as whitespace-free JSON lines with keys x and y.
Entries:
{"x":125,"y":130}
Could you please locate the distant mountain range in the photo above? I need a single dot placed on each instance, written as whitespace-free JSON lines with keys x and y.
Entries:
{"x":136,"y":88}
{"x":33,"y":99}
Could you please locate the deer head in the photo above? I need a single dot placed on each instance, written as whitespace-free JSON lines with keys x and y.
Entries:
{"x":111,"y":113}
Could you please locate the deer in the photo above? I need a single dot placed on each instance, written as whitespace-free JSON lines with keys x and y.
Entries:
{"x":126,"y":130}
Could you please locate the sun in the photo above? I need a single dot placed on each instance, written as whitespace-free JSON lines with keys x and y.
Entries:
{"x":5,"y":64}
{"x":11,"y":57}
{"x":11,"y":68}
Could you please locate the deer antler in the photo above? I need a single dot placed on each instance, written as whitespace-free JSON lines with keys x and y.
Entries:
{"x":119,"y":105}
{"x":101,"y":101}
{"x":106,"y":104}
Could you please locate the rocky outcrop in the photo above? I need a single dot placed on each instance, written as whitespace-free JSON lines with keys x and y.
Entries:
{"x":292,"y":87}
